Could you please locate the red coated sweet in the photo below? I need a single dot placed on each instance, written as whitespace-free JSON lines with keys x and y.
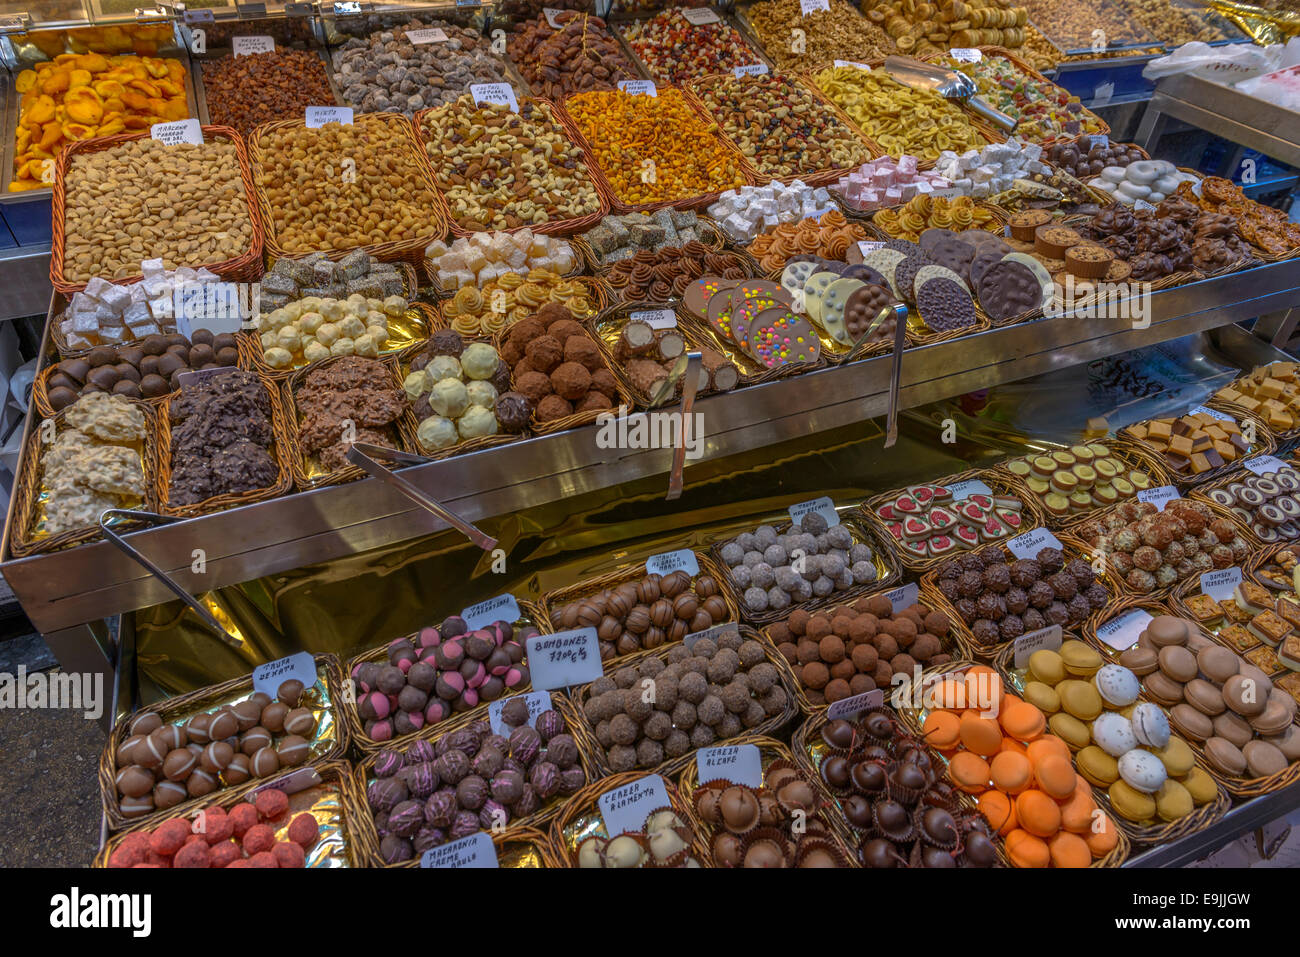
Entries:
{"x":128,"y":854}
{"x":158,"y":860}
{"x":304,"y":831}
{"x":271,"y":803}
{"x":169,"y":836}
{"x":262,"y":859}
{"x":242,"y":817}
{"x":288,"y":854}
{"x":223,"y":854}
{"x":193,"y":855}
{"x":138,"y":838}
{"x":258,"y":838}
{"x":215,"y":825}
{"x":195,"y":839}
{"x":241,"y":862}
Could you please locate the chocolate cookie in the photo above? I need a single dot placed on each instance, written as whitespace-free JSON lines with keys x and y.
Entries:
{"x":904,"y":246}
{"x":944,"y":305}
{"x":934,"y":236}
{"x":697,"y":295}
{"x":1009,"y":289}
{"x":906,"y":273}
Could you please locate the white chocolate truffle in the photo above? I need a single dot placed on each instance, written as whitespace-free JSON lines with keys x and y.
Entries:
{"x":365,"y":345}
{"x":436,"y":432}
{"x":343,"y":347}
{"x":279,"y":318}
{"x":356,"y":303}
{"x":327,"y":333}
{"x":448,"y":397}
{"x":314,"y":351}
{"x":443,"y":367}
{"x":379,"y":334}
{"x":310,"y":304}
{"x":295,"y":309}
{"x":477,"y":421}
{"x":394,"y":305}
{"x":278,"y":358}
{"x":416,"y":384}
{"x":481,"y":393}
{"x":352,"y":327}
{"x":309,"y":322}
{"x":289,"y":338}
{"x":375,"y":318}
{"x":333,"y":310}
{"x":479,"y":360}
{"x":268,"y":341}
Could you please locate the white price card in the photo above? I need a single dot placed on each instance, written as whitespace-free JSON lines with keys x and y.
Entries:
{"x":477,"y":850}
{"x":538,"y":701}
{"x":713,"y":633}
{"x":246,"y":46}
{"x":427,"y":35}
{"x":215,"y":306}
{"x":752,"y":69}
{"x":1142,"y":206}
{"x":268,"y":677}
{"x":812,"y":6}
{"x":638,"y":87}
{"x":1220,"y":583}
{"x":1098,"y":139}
{"x":626,"y":808}
{"x":1212,"y":413}
{"x":1122,"y":633}
{"x":1032,"y":542}
{"x":178,"y":131}
{"x":1048,"y":638}
{"x":1160,"y":496}
{"x":1102,"y":93}
{"x":1263,"y":464}
{"x":655,"y":318}
{"x":966,"y":54}
{"x":904,"y":596}
{"x":292,"y":783}
{"x":822,"y":506}
{"x":563,"y":659}
{"x":737,"y":763}
{"x":666,"y":563}
{"x":869,"y":246}
{"x":848,"y":707}
{"x":964,"y":490}
{"x":318,"y":116}
{"x":853,"y":63}
{"x":553,"y":16}
{"x":700,"y":16}
{"x":502,"y":608}
{"x":501,"y":94}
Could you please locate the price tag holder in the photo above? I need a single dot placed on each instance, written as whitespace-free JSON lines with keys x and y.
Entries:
{"x":1142,"y":206}
{"x":538,"y":701}
{"x":964,"y":490}
{"x":752,"y":69}
{"x":713,"y":633}
{"x":822,"y":506}
{"x":197,"y":18}
{"x":563,"y":659}
{"x":626,"y":808}
{"x":178,"y":131}
{"x":1028,"y":643}
{"x":477,"y":850}
{"x":655,"y":318}
{"x":812,"y":6}
{"x":267,"y":678}
{"x":1160,"y":496}
{"x":347,"y":8}
{"x":318,"y":116}
{"x":966,"y":54}
{"x":869,"y":246}
{"x":666,"y":563}
{"x":298,"y":10}
{"x":498,"y":94}
{"x":1122,"y":633}
{"x":1220,"y":583}
{"x":1032,"y":542}
{"x":468,"y":3}
{"x":1212,"y":413}
{"x":737,"y":763}
{"x":951,"y":192}
{"x":502,"y":608}
{"x":904,"y":596}
{"x":700,"y":16}
{"x":638,"y":87}
{"x":848,"y":707}
{"x":246,"y":46}
{"x":853,"y":63}
{"x":427,"y":35}
{"x":1263,"y":464}
{"x":1098,"y":139}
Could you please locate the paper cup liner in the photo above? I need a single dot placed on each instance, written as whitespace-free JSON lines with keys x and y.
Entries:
{"x":683,"y":831}
{"x":639,"y":838}
{"x":908,"y":797}
{"x":915,"y":860}
{"x":835,"y":753}
{"x":772,"y":777}
{"x":951,"y":843}
{"x":599,"y":840}
{"x":675,"y":862}
{"x":715,"y":819}
{"x":855,"y":788}
{"x":774,"y":836}
{"x":901,"y":856}
{"x":713,"y":842}
{"x":899,"y":836}
{"x":743,"y":832}
{"x":861,"y":725}
{"x":811,"y":845}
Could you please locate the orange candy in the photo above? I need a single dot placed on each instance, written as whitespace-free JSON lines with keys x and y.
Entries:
{"x":1010,"y":772}
{"x":1055,"y":776}
{"x":1022,"y":720}
{"x":1038,"y":813}
{"x":980,"y":735}
{"x":941,"y":729}
{"x":1102,"y":842}
{"x":969,"y":771}
{"x":983,"y":688}
{"x":1026,"y":850}
{"x":949,"y":693}
{"x":998,"y":811}
{"x":1012,"y":745}
{"x":1076,"y":813}
{"x":1069,"y":850}
{"x":1047,"y":744}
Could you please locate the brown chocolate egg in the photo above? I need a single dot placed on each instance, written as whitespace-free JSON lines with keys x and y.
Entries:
{"x":134,"y":781}
{"x":740,"y":810}
{"x":674,"y":584}
{"x":638,"y":620}
{"x":701,"y":621}
{"x":647,"y":590}
{"x":685,"y":605}
{"x":661,"y":613}
{"x":716,"y":608}
{"x":705,"y":586}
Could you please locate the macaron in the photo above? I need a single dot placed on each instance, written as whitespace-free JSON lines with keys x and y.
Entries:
{"x":1070,"y":729}
{"x":1200,"y":786}
{"x":1080,"y":660}
{"x":1038,"y":813}
{"x":1131,"y":803}
{"x":1098,"y":767}
{"x":1117,"y":685}
{"x":1176,"y":756}
{"x":1263,"y":759}
{"x":1190,"y":722}
{"x":1114,"y":734}
{"x":1010,"y":772}
{"x":1173,"y":801}
{"x":1150,"y":724}
{"x":1225,"y":757}
{"x":1081,"y":698}
{"x":1027,"y":850}
{"x":1142,"y":771}
{"x":1055,"y":776}
{"x":1047,"y":666}
{"x":1042,"y":696}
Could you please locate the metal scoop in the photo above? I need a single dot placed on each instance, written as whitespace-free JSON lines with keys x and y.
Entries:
{"x":947,"y":83}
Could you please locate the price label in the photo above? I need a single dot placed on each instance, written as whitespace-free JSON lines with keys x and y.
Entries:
{"x":347,"y":8}
{"x":822,"y":506}
{"x":700,"y":16}
{"x":564,"y":658}
{"x":869,"y":246}
{"x":247,"y":46}
{"x":964,"y":490}
{"x":1142,"y":206}
{"x":553,"y":16}
{"x":1160,"y":496}
{"x":468,"y":3}
{"x":848,"y":707}
{"x":427,"y":35}
{"x":951,"y":192}
{"x":1263,"y":464}
{"x":966,"y":54}
{"x":812,"y":6}
{"x":178,"y":131}
{"x":298,"y":10}
{"x":1101,"y":94}
{"x":477,"y":850}
{"x":1220,"y":583}
{"x":713,"y":634}
{"x":318,"y":116}
{"x":665,"y":563}
{"x":638,"y":87}
{"x":752,"y":69}
{"x":1031,"y":641}
{"x":198,"y":17}
{"x":1098,"y":139}
{"x":268,"y":677}
{"x":1032,"y":542}
{"x":626,"y":808}
{"x":292,"y":783}
{"x":853,"y":63}
{"x":737,"y":763}
{"x":1122,"y":633}
{"x":1212,"y":413}
{"x":499,"y":94}
{"x":538,"y":701}
{"x":904,"y":596}
{"x":655,"y":318}
{"x":502,"y":608}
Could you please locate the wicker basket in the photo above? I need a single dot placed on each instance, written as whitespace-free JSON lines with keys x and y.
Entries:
{"x":771,"y":750}
{"x":1198,"y":820}
{"x":739,"y":259}
{"x":429,"y":268}
{"x":245,"y":267}
{"x":769,"y":725}
{"x":710,"y":232}
{"x":888,"y":572}
{"x":1264,"y":444}
{"x":403,"y":144}
{"x":356,"y":725}
{"x":28,"y":488}
{"x":597,"y":293}
{"x":330,"y":740}
{"x":1256,"y":563}
{"x":1201,"y":493}
{"x":1000,"y":483}
{"x":1281,"y":437}
{"x":580,"y":817}
{"x":403,"y":428}
{"x":335,"y":816}
{"x":915,"y":720}
{"x":516,"y":847}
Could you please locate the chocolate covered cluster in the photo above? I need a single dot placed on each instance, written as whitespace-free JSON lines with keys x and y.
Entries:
{"x":471,"y":780}
{"x":438,"y":672}
{"x":220,"y":438}
{"x":1176,"y":236}
{"x":1000,"y":597}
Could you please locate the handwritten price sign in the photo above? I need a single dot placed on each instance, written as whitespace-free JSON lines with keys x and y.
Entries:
{"x":626,"y":808}
{"x":565,"y":658}
{"x":268,"y":677}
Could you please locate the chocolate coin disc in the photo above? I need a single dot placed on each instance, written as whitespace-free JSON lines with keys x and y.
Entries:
{"x":1041,"y":273}
{"x":814,"y":289}
{"x":743,"y":312}
{"x":945,"y":305}
{"x":863,"y":306}
{"x":778,"y":337}
{"x":834,"y":302}
{"x":986,"y":257}
{"x":904,"y":246}
{"x":935,"y":235}
{"x":885,"y":262}
{"x":795,"y":274}
{"x":866,"y":274}
{"x":905,"y":275}
{"x":719,"y":312}
{"x":696,"y":298}
{"x":1009,"y":289}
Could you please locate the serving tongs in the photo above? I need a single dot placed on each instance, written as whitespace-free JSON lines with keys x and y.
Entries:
{"x":951,"y":84}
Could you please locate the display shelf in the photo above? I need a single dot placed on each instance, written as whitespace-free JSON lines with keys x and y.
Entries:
{"x":25,"y":279}
{"x":67,"y":588}
{"x":1242,"y":819}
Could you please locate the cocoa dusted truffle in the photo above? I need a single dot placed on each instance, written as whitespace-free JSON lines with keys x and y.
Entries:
{"x":553,"y":407}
